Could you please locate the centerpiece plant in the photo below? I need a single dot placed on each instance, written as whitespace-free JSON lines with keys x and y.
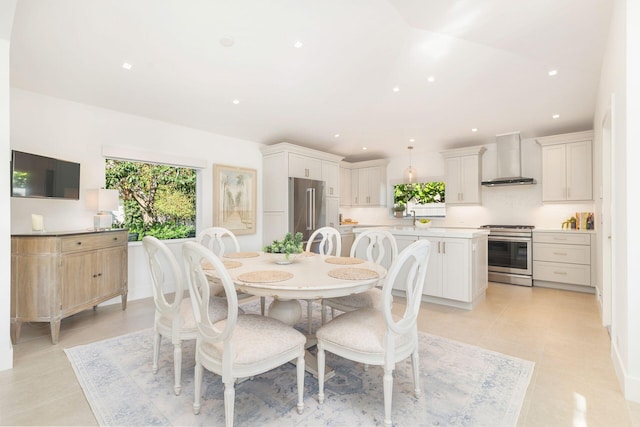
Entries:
{"x":288,"y":246}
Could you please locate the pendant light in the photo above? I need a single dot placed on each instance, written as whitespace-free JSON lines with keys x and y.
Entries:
{"x":410,"y":173}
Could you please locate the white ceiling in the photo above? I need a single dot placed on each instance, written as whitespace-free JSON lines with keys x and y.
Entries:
{"x":490,"y":60}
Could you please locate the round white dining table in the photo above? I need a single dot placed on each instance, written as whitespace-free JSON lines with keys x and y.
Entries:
{"x":309,"y":277}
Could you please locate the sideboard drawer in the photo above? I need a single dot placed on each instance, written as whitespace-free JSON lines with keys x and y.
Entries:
{"x":575,"y":274}
{"x":85,"y":242}
{"x":573,"y":254}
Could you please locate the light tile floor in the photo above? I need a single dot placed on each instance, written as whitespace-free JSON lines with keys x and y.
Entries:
{"x":573,"y":383}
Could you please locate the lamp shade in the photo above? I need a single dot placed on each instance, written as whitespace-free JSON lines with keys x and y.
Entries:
{"x":103,"y":200}
{"x":108,"y":200}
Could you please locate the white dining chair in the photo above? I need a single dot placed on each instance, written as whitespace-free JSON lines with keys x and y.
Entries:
{"x":173,"y":320}
{"x":374,"y":245}
{"x":378,"y":337}
{"x":240,"y":346}
{"x":220,"y":240}
{"x":326,"y":241}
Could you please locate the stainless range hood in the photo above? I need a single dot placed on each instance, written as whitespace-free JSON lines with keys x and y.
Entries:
{"x":509,"y":159}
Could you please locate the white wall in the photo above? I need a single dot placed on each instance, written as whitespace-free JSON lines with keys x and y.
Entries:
{"x":620,"y":77}
{"x":77,"y":132}
{"x":500,"y":205}
{"x":6,"y":351}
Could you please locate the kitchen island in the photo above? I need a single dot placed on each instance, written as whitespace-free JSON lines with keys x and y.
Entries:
{"x":457,"y":272}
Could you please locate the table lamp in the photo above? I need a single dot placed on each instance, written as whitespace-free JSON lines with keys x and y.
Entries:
{"x":105,"y":201}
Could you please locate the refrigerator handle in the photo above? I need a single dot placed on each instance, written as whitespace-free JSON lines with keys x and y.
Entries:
{"x":313,"y":208}
{"x":309,"y":207}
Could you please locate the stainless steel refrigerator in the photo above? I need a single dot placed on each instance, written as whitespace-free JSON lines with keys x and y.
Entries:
{"x":306,"y":206}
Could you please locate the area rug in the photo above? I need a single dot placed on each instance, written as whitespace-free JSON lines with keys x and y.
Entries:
{"x":462,"y":385}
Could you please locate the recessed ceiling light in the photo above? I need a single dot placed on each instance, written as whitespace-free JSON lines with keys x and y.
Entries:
{"x":297,"y":44}
{"x":474,"y":130}
{"x":364,"y":148}
{"x":337,"y":135}
{"x":126,"y":65}
{"x":412,"y":140}
{"x":236,"y":101}
{"x":396,"y":89}
{"x":556,"y":116}
{"x":227,"y":41}
{"x":431,"y":79}
{"x":553,"y":73}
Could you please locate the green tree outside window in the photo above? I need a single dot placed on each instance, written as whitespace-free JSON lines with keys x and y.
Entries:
{"x":159,"y":200}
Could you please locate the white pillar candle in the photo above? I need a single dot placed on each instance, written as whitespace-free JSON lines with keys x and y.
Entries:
{"x":37,"y":222}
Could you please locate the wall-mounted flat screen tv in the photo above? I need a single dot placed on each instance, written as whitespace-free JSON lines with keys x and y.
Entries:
{"x":38,"y":176}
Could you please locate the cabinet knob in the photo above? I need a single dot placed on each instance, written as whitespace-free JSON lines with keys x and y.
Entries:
{"x":78,"y":243}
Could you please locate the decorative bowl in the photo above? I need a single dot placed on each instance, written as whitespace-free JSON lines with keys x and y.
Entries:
{"x":423,"y":224}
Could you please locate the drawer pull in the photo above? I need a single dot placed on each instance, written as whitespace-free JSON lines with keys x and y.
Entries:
{"x":115,"y":238}
{"x":560,"y":253}
{"x":564,"y":273}
{"x":78,"y":243}
{"x":95,"y":275}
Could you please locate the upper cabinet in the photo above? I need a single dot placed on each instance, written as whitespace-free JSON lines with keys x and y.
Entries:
{"x":463,"y":174}
{"x":331,"y":177}
{"x":345,"y":186}
{"x":368,"y":184}
{"x":567,"y":167}
{"x":301,"y":166}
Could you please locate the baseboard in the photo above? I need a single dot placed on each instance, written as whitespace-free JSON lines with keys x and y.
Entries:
{"x":564,"y":286}
{"x":630,"y":385}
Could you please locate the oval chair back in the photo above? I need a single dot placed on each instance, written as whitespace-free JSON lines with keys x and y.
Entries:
{"x":330,"y":242}
{"x":379,"y":246}
{"x":219,"y":240}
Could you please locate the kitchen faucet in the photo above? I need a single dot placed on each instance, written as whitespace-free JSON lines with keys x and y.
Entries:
{"x":413,"y":215}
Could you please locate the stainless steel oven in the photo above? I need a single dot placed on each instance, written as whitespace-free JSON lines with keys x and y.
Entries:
{"x":510,"y":258}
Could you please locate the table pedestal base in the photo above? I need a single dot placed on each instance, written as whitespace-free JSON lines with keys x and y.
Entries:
{"x":286,"y":311}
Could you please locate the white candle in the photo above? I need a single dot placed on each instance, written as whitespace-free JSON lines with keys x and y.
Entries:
{"x":37,"y":222}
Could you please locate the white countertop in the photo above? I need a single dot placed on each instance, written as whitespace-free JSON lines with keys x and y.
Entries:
{"x":401,"y":230}
{"x":559,"y":230}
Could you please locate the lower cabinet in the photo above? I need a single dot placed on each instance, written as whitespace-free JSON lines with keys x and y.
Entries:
{"x":563,"y":258}
{"x":448,"y":275}
{"x":56,"y":275}
{"x":457,"y":272}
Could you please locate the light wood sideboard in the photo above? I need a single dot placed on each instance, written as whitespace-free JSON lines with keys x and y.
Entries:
{"x":56,"y":275}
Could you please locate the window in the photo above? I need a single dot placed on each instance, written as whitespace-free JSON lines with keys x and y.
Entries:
{"x":156,"y":200}
{"x":426,"y":198}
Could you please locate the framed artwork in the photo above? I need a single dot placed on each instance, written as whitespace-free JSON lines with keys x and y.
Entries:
{"x":234,"y":198}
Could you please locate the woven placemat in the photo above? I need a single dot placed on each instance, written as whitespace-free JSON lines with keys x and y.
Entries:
{"x":265,"y":276}
{"x":241,"y":255}
{"x":343,"y":260}
{"x":352,"y":273}
{"x":228,"y":264}
{"x":306,"y":254}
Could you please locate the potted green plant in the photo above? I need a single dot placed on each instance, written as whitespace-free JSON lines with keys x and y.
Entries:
{"x":398,"y":210}
{"x":286,"y":249}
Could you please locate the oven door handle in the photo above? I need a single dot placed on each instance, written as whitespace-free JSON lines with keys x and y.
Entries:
{"x":510,"y":239}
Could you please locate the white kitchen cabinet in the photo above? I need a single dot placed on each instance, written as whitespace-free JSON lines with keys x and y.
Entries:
{"x":463,"y":174}
{"x":564,"y":259}
{"x":369,"y":183}
{"x":567,"y":167}
{"x":331,"y":178}
{"x":301,"y":166}
{"x":403,"y":242}
{"x":332,"y":205}
{"x":457,"y":271}
{"x":345,"y":186}
{"x":284,"y":160}
{"x":448,"y":275}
